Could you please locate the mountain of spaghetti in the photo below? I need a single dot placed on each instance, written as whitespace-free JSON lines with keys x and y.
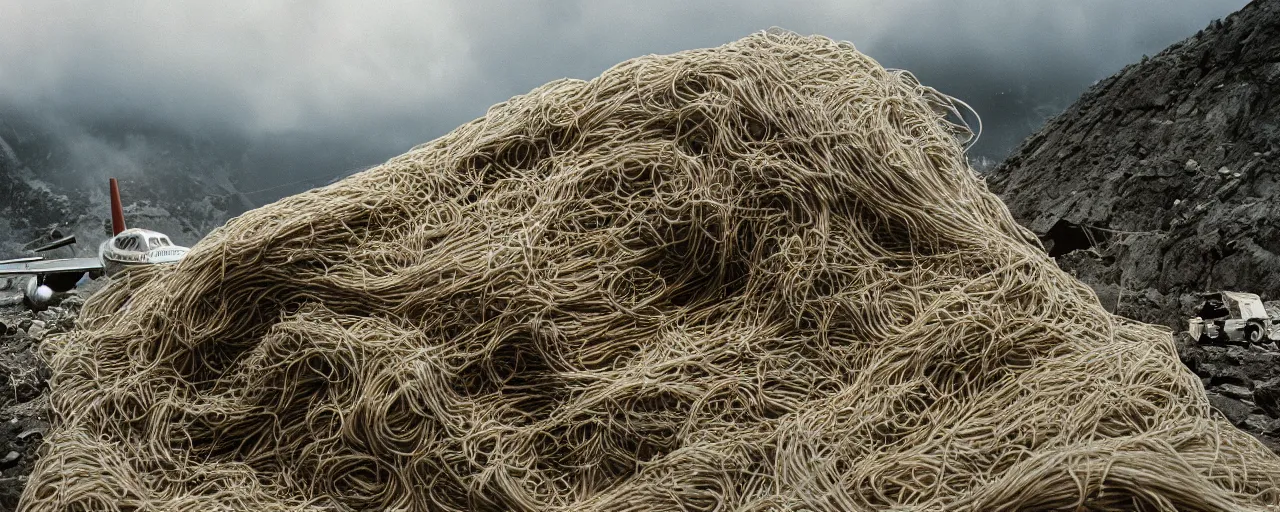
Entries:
{"x":753,"y":277}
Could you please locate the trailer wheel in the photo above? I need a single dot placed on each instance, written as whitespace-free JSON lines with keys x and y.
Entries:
{"x":1253,"y":334}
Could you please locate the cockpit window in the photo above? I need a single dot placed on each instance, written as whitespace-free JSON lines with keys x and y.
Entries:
{"x":129,"y":243}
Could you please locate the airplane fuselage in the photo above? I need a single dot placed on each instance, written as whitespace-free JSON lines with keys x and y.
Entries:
{"x":126,"y":248}
{"x":134,"y":247}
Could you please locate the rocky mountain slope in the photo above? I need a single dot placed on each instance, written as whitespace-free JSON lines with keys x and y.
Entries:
{"x":27,"y":211}
{"x":1162,"y":183}
{"x":172,"y":186}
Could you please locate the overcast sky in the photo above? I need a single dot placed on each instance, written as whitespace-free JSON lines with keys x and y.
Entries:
{"x":315,"y":86}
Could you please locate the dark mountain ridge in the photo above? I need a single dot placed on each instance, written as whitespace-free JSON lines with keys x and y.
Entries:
{"x":1168,"y":173}
{"x":1163,"y":183}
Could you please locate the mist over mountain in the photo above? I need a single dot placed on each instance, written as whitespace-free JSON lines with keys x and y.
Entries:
{"x":243,"y":103}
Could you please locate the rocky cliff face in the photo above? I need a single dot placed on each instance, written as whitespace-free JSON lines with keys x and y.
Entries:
{"x":1163,"y":181}
{"x":26,"y":211}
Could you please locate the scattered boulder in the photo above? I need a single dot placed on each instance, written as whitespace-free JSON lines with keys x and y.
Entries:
{"x":1262,"y":424}
{"x":1234,"y":410}
{"x":1220,"y":373}
{"x":36,"y":333}
{"x":50,"y":315}
{"x":1267,"y":397}
{"x":1261,"y":365}
{"x":1235,"y":391}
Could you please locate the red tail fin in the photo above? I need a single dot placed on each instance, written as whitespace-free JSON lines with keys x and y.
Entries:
{"x":117,"y":209}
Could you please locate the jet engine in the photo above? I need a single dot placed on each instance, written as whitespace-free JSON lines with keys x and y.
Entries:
{"x":40,"y":291}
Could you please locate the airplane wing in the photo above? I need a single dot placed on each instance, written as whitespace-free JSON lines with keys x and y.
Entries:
{"x":42,"y":267}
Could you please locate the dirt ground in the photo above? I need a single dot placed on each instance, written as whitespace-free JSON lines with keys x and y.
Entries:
{"x":24,"y":398}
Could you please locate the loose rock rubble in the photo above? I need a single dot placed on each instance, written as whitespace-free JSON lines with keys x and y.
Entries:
{"x":24,"y":404}
{"x":1243,"y":383}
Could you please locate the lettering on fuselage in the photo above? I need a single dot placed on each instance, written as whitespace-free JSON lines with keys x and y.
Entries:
{"x":145,"y":256}
{"x":130,"y":258}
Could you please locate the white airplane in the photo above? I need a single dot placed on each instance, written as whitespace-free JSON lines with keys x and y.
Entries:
{"x":126,"y":248}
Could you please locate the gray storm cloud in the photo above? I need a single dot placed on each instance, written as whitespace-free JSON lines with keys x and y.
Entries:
{"x":303,"y":88}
